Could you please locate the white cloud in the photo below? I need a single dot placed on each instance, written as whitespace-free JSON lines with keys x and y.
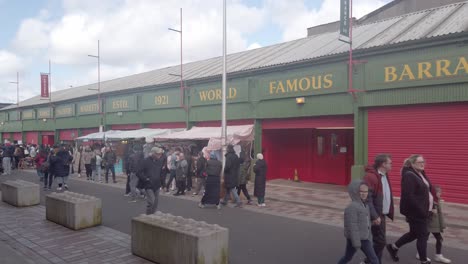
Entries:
{"x":134,"y":35}
{"x":294,"y":17}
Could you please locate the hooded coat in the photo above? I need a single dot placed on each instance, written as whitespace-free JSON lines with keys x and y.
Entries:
{"x":357,"y":224}
{"x":260,"y":169}
{"x":231,"y":169}
{"x":59,"y":163}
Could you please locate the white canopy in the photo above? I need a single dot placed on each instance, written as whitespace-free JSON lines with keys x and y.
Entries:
{"x":235,"y":134}
{"x":129,"y":134}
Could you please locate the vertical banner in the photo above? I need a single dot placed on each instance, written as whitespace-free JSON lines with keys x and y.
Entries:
{"x":344,"y":20}
{"x":45,"y":85}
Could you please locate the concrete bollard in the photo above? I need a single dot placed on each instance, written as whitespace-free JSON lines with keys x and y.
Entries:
{"x":20,"y":193}
{"x":73,"y":210}
{"x":167,"y":239}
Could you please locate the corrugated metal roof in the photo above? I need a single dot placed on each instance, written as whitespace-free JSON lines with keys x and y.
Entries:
{"x":420,"y":25}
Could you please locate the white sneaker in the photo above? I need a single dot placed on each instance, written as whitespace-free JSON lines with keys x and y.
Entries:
{"x":59,"y":188}
{"x":127,"y":194}
{"x":263,"y":204}
{"x":417,"y":257}
{"x":440,"y":258}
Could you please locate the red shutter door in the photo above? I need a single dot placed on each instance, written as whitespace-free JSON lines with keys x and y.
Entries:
{"x":439,"y":132}
{"x":32,"y":137}
{"x":17,"y":136}
{"x":68,"y":134}
{"x":87,"y":131}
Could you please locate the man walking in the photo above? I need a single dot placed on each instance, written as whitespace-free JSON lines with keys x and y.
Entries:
{"x":151,"y":176}
{"x":380,"y":199}
{"x":231,"y":176}
{"x":181,"y":174}
{"x":8,"y":151}
{"x":110,"y":159}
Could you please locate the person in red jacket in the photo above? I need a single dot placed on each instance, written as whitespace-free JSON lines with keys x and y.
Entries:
{"x":380,"y":200}
{"x":39,"y":160}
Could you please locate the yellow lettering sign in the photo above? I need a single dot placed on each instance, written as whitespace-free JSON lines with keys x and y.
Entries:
{"x":216,"y":94}
{"x":426,"y":70}
{"x":64,"y":111}
{"x":161,"y":100}
{"x":28,"y":114}
{"x":120,"y":104}
{"x":89,"y":108}
{"x":302,"y":84}
{"x":44,"y":113}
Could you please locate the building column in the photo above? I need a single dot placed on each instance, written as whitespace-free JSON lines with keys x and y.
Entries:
{"x":257,"y":137}
{"x":360,"y":143}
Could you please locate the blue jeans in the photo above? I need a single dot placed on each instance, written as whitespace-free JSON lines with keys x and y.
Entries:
{"x":112,"y":169}
{"x":232,"y":191}
{"x":366,"y":248}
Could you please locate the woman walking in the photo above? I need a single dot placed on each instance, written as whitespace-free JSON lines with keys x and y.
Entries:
{"x":212,"y":184}
{"x":260,"y":169}
{"x":77,"y":165}
{"x":416,"y":204}
{"x":244,"y":177}
{"x":86,"y":160}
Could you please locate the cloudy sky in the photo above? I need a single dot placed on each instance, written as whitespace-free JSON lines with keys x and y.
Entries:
{"x":134,"y":35}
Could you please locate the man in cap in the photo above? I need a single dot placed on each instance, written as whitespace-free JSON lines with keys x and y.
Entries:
{"x":153,"y":167}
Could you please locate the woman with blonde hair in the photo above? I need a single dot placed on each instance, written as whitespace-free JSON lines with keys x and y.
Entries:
{"x":416,"y":204}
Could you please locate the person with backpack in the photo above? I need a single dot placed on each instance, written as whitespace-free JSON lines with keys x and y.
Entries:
{"x":200,"y":173}
{"x":244,"y":176}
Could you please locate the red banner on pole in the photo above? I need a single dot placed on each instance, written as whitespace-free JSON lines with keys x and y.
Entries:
{"x":45,"y":85}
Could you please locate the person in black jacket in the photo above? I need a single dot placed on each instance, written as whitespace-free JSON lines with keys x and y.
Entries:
{"x":213,"y":182}
{"x":60,"y":166}
{"x":260,"y":169}
{"x":416,"y":204}
{"x":231,"y":176}
{"x":151,"y":176}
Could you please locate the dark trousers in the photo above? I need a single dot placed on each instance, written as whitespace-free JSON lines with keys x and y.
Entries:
{"x":163,"y":180}
{"x":181,"y":186}
{"x":89,"y":171}
{"x":48,"y":179}
{"x":379,"y":238}
{"x":112,"y":169}
{"x":366,"y":248}
{"x":439,"y":239}
{"x":189,"y":183}
{"x":127,"y":186}
{"x":419,"y":232}
{"x":171,"y":178}
{"x":243,"y":188}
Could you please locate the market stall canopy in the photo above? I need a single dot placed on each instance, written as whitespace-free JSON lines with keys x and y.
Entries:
{"x":98,"y":135}
{"x":129,"y":134}
{"x":235,"y":134}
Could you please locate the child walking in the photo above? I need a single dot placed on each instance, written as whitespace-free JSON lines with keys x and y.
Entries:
{"x":357,"y":224}
{"x":437,"y":226}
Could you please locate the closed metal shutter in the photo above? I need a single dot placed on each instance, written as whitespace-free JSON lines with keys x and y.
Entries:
{"x":439,"y":132}
{"x":32,"y":137}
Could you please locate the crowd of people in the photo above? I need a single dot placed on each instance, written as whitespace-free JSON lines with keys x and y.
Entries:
{"x":372,"y":202}
{"x":175,"y":170}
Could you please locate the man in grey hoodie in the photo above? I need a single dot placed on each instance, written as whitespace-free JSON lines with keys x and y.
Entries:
{"x":357,"y":224}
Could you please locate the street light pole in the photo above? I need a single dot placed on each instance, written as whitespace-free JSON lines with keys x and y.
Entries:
{"x":181,"y":63}
{"x":223,"y":103}
{"x":98,"y":57}
{"x":17,"y":88}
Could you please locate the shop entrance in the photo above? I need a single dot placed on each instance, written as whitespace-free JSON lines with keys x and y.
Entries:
{"x":48,"y":140}
{"x":323,"y":155}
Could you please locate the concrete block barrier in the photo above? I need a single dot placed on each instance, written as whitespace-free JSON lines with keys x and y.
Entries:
{"x":168,"y":239}
{"x":73,"y":210}
{"x":20,"y":193}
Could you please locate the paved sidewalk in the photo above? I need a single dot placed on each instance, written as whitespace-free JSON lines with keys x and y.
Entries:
{"x":27,"y":237}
